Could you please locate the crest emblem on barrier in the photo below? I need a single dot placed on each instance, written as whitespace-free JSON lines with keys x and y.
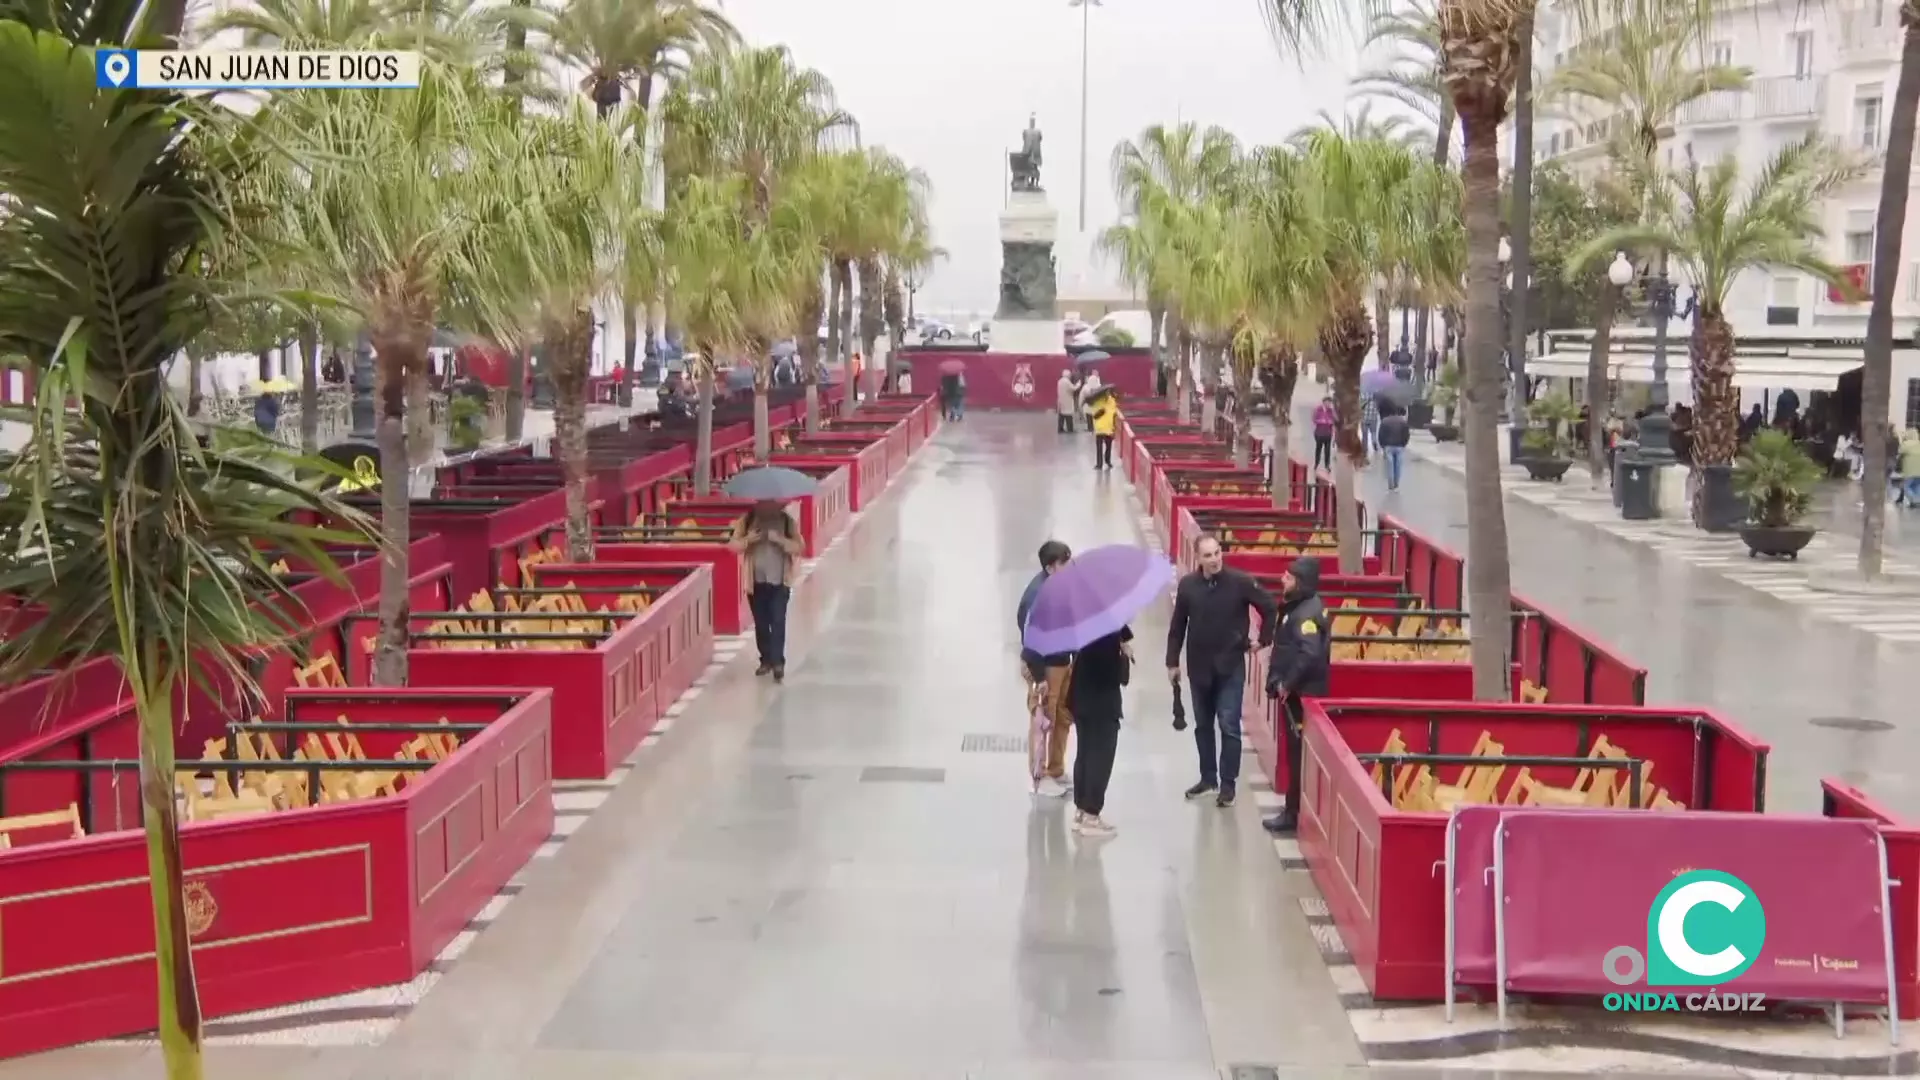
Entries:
{"x":201,"y":908}
{"x":1023,"y":381}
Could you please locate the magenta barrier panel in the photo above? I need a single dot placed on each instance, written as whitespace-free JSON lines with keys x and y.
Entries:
{"x":1841,"y":800}
{"x":1570,"y":886}
{"x":1470,"y":935}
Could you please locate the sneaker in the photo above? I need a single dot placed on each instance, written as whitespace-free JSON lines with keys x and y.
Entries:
{"x":1282,"y":824}
{"x":763,"y":669}
{"x":779,"y":673}
{"x":1093,"y":828}
{"x":1226,"y":798}
{"x":1051,"y":788}
{"x":1202,"y":788}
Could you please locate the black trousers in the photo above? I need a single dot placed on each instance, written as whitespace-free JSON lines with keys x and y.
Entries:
{"x":1294,"y":715}
{"x":1063,"y":423}
{"x":1098,"y":741}
{"x":1323,"y":452}
{"x":1103,"y":451}
{"x":769,"y":606}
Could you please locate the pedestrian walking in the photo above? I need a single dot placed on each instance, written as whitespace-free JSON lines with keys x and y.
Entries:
{"x":1100,"y":671}
{"x":1103,"y":415}
{"x":1090,"y":386}
{"x":1395,"y":433}
{"x":1066,"y":398}
{"x":1323,"y":422}
{"x":1046,"y":678}
{"x":1370,"y":423}
{"x":1297,"y":669}
{"x":1910,"y":467}
{"x":770,"y":540}
{"x":1210,"y":623}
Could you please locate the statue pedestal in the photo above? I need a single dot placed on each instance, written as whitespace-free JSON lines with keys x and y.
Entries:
{"x":1026,"y":322}
{"x":1029,"y":337}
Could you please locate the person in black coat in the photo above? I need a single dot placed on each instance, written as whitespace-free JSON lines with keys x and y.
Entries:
{"x":1100,"y":670}
{"x":1298,"y":669}
{"x":1211,"y":610}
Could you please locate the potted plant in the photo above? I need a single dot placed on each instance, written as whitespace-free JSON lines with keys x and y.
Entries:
{"x":1777,"y":479}
{"x":466,"y":422}
{"x":1548,"y":444}
{"x":1445,"y":396}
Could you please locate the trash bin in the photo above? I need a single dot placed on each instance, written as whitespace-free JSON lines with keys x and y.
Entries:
{"x":1633,"y":489}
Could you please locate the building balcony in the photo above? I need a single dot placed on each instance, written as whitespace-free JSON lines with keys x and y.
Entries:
{"x":1780,"y":97}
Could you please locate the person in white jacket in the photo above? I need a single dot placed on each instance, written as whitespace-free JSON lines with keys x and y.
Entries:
{"x":1066,"y":403}
{"x":1088,"y":387}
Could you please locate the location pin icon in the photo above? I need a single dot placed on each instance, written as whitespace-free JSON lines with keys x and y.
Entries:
{"x":118,"y":68}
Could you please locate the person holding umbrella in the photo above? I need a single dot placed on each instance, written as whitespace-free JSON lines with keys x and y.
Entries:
{"x":1085,"y":608}
{"x":1046,"y":678}
{"x":770,"y":539}
{"x":1103,"y":415}
{"x":1299,"y":669}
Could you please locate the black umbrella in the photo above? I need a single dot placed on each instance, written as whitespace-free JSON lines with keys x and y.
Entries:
{"x":1179,"y":708}
{"x":1092,"y":356}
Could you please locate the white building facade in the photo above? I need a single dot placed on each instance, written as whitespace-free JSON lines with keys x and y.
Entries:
{"x":1826,"y":68}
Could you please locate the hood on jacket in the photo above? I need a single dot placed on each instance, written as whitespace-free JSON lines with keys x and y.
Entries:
{"x":1306,"y":577}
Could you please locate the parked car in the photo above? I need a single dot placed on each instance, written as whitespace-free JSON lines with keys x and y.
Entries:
{"x":1137,"y":325}
{"x":934,"y":330}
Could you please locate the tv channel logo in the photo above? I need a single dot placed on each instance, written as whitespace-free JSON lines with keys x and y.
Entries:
{"x":1705,"y":928}
{"x":116,"y":69}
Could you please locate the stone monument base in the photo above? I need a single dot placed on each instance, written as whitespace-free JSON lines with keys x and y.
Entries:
{"x":1029,"y":337}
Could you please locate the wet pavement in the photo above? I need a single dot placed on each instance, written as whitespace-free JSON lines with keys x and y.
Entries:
{"x":845,"y":877}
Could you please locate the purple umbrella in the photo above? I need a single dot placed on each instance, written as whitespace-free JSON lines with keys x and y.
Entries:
{"x":1094,"y":595}
{"x":1374,"y":380}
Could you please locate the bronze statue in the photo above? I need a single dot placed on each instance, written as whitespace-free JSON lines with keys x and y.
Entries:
{"x":1024,"y":163}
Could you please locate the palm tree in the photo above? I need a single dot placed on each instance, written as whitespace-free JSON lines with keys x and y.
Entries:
{"x":1703,"y":218}
{"x":628,"y":48}
{"x":136,"y":542}
{"x":377,"y":223}
{"x":571,"y":204}
{"x":1876,"y":379}
{"x":757,"y":115}
{"x":1155,"y":175}
{"x":1276,"y":231}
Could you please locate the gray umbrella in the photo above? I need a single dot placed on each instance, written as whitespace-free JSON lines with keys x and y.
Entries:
{"x":740,"y":377}
{"x":784,"y":349}
{"x":1092,"y":356}
{"x":770,"y":482}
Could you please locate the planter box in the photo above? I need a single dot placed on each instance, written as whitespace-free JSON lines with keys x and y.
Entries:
{"x":1444,"y":432}
{"x":282,"y":906}
{"x":865,"y":455}
{"x":1546,"y":468}
{"x":1776,"y":542}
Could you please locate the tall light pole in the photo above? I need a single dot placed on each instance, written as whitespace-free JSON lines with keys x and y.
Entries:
{"x":1086,"y":21}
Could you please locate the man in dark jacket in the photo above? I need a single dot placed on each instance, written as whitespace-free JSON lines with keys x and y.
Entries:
{"x":1298,"y":669}
{"x":1395,"y":433}
{"x":1046,"y":676}
{"x":1210,"y":621}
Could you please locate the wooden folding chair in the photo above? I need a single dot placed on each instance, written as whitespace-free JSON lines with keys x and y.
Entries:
{"x":324,"y":672}
{"x":67,"y":820}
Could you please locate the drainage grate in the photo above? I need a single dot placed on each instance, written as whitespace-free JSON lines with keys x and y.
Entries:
{"x":1850,"y":723}
{"x":993,"y":744}
{"x":901,"y":774}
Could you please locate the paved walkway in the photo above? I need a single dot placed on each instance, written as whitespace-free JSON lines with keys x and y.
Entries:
{"x":844,"y":877}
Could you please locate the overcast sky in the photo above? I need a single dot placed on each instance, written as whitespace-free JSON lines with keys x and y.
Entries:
{"x":948,"y":87}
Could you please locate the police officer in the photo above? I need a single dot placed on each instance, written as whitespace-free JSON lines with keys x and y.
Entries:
{"x":1297,"y":669}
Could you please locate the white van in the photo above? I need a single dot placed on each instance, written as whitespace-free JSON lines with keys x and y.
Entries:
{"x":1137,"y":323}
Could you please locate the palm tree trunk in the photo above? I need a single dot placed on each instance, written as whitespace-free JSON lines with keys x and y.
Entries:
{"x":1597,"y":403}
{"x":1177,"y":337}
{"x":1489,"y":583}
{"x":845,"y":317}
{"x":420,"y":435}
{"x":808,"y":344}
{"x":1209,"y":388}
{"x":1382,"y":318}
{"x":196,"y":367}
{"x":1344,"y":341}
{"x":1876,"y":379}
{"x":1156,"y":322}
{"x":1521,"y":225}
{"x":834,"y":272}
{"x":1281,"y":375}
{"x":399,"y":356}
{"x":309,"y":389}
{"x":871,"y":316}
{"x":1716,"y":403}
{"x":703,"y":431}
{"x":1242,"y":420}
{"x":570,"y":352}
{"x":1421,"y":326}
{"x":517,"y":361}
{"x":762,"y":421}
{"x":180,"y":1020}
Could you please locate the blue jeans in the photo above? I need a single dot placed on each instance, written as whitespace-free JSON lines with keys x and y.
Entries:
{"x":1396,"y":461}
{"x":769,"y":606}
{"x":1216,"y":700}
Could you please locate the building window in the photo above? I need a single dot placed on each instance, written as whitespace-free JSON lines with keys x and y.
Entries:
{"x":1866,"y":117}
{"x":1913,"y":404}
{"x":1860,"y":246}
{"x":1783,"y":307}
{"x":1722,"y":53}
{"x":1800,"y":47}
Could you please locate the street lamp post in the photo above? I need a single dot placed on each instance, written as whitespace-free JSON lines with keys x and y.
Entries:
{"x":1086,"y":23}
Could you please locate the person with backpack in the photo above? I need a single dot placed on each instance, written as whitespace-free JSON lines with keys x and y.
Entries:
{"x":1395,"y":433}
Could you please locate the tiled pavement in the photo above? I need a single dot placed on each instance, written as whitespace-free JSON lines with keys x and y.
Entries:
{"x":1812,"y":582}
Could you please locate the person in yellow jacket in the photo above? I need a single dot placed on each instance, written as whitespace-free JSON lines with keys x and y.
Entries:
{"x":1907,"y":467}
{"x":1103,"y":412}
